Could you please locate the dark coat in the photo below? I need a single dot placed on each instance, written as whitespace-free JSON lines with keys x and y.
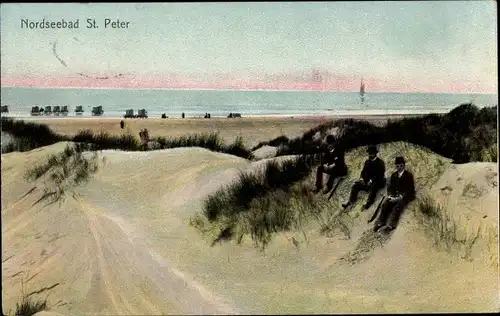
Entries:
{"x":373,"y":170}
{"x":404,"y":185}
{"x":335,"y":155}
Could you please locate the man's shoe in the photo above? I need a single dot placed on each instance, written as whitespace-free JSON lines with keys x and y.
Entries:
{"x":366,"y":206}
{"x":377,"y":227}
{"x":346,"y":205}
{"x":386,"y":229}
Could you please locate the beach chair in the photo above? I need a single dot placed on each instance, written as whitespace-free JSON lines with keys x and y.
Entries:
{"x":57,"y":110}
{"x":64,"y":110}
{"x":142,"y":113}
{"x":79,"y":110}
{"x":129,"y":113}
{"x":35,"y":110}
{"x":48,"y":110}
{"x":97,"y":111}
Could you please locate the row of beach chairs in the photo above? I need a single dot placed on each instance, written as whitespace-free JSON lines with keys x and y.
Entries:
{"x":142,"y":113}
{"x":96,"y":111}
{"x":57,"y":110}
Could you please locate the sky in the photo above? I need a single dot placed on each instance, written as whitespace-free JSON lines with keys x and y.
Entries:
{"x":409,"y":46}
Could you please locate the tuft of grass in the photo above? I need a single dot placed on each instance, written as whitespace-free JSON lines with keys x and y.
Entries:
{"x":64,"y":170}
{"x":29,"y":307}
{"x":210,"y":141}
{"x":102,"y":140}
{"x":259,"y":204}
{"x":442,"y":227}
{"x":235,"y":198}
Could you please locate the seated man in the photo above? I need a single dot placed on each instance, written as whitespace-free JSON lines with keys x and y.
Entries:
{"x":335,"y":165}
{"x":400,"y":192}
{"x":372,"y":179}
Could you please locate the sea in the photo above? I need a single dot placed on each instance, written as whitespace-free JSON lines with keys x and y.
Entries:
{"x":219,"y":103}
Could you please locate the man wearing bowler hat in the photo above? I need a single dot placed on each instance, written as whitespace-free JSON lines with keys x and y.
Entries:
{"x":400,"y":192}
{"x":335,"y":166}
{"x":372,"y":179}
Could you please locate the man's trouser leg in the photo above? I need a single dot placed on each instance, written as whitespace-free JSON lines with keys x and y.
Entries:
{"x":372,"y":192}
{"x":332,"y":174}
{"x":356,"y":187}
{"x":386,"y":208}
{"x":319,"y":177}
{"x":395,"y":213}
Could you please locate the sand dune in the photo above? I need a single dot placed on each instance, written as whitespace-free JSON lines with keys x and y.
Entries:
{"x":123,"y":245}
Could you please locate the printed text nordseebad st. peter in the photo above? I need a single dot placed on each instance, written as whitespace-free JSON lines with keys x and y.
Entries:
{"x":90,"y":23}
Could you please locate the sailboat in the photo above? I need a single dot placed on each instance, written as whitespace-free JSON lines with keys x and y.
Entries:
{"x":362,"y":91}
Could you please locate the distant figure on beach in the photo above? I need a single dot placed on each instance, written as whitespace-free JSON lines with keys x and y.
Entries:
{"x":183,"y":115}
{"x":372,"y":179}
{"x":208,"y":115}
{"x":122,"y":124}
{"x":230,"y":115}
{"x":144,"y":136}
{"x":400,"y":192}
{"x":335,"y":165}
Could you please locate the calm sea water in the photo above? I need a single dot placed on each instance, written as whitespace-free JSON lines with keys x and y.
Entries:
{"x":248,"y":103}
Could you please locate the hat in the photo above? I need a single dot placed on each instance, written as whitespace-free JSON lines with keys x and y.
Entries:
{"x":330,"y":138}
{"x":399,"y":160}
{"x":372,"y":149}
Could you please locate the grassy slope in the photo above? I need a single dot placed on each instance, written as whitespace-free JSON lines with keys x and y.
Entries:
{"x":295,"y":209}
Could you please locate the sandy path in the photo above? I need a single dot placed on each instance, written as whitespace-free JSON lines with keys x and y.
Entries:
{"x":123,"y":259}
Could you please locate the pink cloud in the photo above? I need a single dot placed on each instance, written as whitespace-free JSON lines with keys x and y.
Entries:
{"x":332,"y":83}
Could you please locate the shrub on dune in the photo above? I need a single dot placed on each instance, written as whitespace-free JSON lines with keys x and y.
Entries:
{"x":29,"y":307}
{"x":28,"y":135}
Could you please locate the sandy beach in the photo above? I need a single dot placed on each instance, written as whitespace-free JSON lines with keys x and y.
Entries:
{"x":252,"y":129}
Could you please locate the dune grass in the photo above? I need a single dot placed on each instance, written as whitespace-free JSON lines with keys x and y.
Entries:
{"x":28,"y":136}
{"x":29,"y":307}
{"x":236,"y":198}
{"x":463,"y":134}
{"x":279,"y":198}
{"x":211,"y":141}
{"x":442,"y":228}
{"x":103,"y":140}
{"x":65,"y":170}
